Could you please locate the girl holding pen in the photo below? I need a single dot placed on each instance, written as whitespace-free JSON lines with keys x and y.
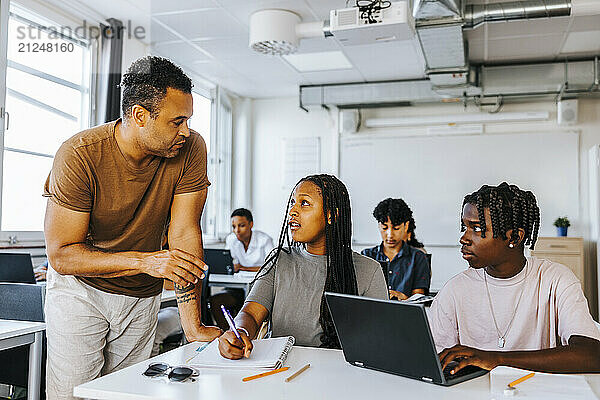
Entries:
{"x":317,"y":258}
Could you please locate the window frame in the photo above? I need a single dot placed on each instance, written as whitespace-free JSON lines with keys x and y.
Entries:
{"x":8,"y":10}
{"x":215,"y":219}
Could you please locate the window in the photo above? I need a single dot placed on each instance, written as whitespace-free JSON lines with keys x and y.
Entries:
{"x":200,"y":121}
{"x":47,"y":101}
{"x":218,"y":137}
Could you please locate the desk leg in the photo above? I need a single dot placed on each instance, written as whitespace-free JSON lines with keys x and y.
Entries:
{"x":34,"y":378}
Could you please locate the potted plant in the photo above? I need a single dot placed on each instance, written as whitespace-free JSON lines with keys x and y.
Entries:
{"x":562,"y":224}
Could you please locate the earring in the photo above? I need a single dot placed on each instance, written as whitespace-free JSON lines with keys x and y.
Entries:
{"x":511,"y":245}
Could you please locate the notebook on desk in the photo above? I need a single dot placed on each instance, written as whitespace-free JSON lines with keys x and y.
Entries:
{"x":541,"y":386}
{"x":391,"y":336}
{"x":266,"y":353}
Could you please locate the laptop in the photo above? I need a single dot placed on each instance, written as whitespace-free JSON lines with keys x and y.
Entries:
{"x":391,"y":336}
{"x":219,"y":261}
{"x":16,"y":268}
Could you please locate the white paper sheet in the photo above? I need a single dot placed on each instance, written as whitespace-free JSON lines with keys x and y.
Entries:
{"x":541,"y":386}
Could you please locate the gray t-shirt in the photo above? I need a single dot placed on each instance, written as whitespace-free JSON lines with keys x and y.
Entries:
{"x":292,"y":292}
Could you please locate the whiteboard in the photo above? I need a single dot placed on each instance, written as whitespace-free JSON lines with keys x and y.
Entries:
{"x":301,"y":157}
{"x":433,"y":174}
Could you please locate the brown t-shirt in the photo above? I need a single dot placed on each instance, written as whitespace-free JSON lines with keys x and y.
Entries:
{"x":129,"y":207}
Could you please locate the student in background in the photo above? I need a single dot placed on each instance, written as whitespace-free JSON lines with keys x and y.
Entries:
{"x":249,"y":247}
{"x":289,"y":287}
{"x":508,"y":309}
{"x":40,"y":272}
{"x":402,"y":257}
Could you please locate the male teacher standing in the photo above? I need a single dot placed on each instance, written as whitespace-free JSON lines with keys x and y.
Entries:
{"x":112,"y":190}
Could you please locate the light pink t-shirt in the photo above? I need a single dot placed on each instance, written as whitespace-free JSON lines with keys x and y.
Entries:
{"x":552,"y":309}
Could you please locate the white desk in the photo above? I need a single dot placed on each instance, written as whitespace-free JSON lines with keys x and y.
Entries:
{"x":237,"y":280}
{"x":241,"y":281}
{"x":167,"y":295}
{"x":22,"y":333}
{"x":329,"y":377}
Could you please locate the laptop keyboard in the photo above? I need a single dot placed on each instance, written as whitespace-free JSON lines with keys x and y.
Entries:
{"x":469,"y":369}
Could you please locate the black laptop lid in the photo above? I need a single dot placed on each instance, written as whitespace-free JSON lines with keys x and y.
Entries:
{"x":16,"y":267}
{"x":219,"y":261}
{"x":385,"y":335}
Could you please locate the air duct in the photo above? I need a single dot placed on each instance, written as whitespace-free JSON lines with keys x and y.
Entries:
{"x":476,"y":14}
{"x":546,"y":81}
{"x":440,"y":26}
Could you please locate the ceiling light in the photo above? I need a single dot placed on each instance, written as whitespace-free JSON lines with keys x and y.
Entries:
{"x":322,"y":61}
{"x":457,"y":119}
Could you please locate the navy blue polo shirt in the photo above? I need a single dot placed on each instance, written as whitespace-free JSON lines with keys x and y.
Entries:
{"x":408,"y":271}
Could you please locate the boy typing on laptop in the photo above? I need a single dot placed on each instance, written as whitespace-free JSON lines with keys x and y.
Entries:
{"x":508,"y":309}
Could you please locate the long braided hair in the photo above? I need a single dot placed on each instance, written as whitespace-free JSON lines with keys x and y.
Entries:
{"x":510,"y":208}
{"x":341,"y":276}
{"x":399,"y":212}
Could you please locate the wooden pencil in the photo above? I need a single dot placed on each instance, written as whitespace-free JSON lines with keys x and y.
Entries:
{"x":301,"y":370}
{"x":524,"y":378}
{"x":275,"y":371}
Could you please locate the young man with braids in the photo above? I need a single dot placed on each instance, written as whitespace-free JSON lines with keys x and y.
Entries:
{"x":402,"y":257}
{"x":111,"y":191}
{"x":318,"y":258}
{"x":508,"y":309}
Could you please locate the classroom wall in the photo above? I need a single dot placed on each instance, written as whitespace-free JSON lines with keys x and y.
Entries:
{"x":132,"y":50}
{"x":274,"y":119}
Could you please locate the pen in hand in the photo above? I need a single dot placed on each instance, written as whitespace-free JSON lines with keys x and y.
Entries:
{"x":232,"y":326}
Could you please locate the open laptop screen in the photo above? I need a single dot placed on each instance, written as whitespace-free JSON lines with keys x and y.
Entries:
{"x":16,"y":267}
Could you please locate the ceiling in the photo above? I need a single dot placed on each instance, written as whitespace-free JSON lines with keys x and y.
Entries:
{"x":210,"y":39}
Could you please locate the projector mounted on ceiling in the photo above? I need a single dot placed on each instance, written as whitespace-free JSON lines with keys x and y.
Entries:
{"x":356,"y":25}
{"x":278,"y":32}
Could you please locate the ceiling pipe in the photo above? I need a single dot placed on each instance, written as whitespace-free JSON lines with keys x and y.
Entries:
{"x":477,"y":14}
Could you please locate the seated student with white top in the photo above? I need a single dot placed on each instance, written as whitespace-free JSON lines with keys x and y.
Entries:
{"x":249,"y":249}
{"x":289,"y":288}
{"x":508,"y":309}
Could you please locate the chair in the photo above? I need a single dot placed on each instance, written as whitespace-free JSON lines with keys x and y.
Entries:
{"x":428,"y":256}
{"x":22,"y":302}
{"x":204,"y":304}
{"x":16,"y":268}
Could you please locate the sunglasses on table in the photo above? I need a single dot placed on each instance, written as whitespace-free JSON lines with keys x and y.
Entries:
{"x":175,"y":374}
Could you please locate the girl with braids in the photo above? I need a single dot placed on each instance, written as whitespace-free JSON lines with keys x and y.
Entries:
{"x":405,"y":264}
{"x":289,"y":287}
{"x":508,"y":309}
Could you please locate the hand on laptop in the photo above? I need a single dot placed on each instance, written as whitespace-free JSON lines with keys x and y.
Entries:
{"x":469,"y":356}
{"x":40,"y":273}
{"x":395,"y":295}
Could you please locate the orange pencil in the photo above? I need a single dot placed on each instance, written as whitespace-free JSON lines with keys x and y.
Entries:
{"x":249,"y":378}
{"x":524,"y":378}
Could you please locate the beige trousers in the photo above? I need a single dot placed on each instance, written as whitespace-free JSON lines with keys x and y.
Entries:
{"x":92,"y":333}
